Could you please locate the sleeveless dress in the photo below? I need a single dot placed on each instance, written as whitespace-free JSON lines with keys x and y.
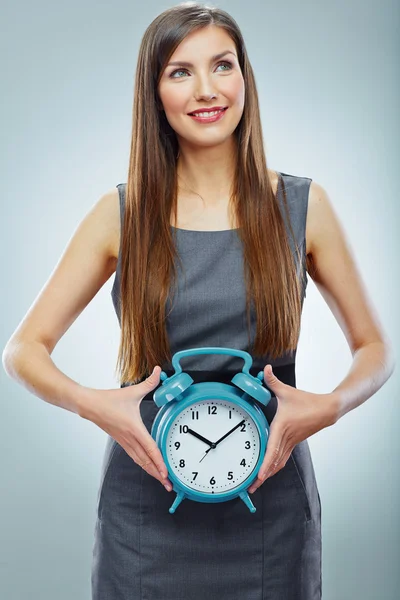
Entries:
{"x":215,"y":551}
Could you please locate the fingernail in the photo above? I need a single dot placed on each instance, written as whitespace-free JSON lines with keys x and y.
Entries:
{"x":168,"y":487}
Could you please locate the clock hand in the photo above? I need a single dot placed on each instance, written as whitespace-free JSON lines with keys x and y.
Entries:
{"x":229,"y":432}
{"x":200,"y":437}
{"x":211,"y":444}
{"x":215,"y":444}
{"x":207,"y":451}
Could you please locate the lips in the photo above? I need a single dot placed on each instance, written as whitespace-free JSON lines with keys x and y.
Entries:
{"x":204,"y":110}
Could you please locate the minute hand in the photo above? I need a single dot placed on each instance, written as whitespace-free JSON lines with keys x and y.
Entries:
{"x":229,"y":432}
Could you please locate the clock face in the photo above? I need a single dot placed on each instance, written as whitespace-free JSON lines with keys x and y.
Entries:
{"x":190,"y":451}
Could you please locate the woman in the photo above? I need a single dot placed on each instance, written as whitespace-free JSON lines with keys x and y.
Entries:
{"x":198,"y":190}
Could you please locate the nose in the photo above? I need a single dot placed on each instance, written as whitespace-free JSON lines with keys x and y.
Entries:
{"x":206,"y":96}
{"x":204,"y":90}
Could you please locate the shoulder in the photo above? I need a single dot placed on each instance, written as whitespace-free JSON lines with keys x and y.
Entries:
{"x":321,"y":217}
{"x":106,"y":213}
{"x":274,"y":179}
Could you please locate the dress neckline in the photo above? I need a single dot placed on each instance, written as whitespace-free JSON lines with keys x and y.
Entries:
{"x":219,"y":230}
{"x":204,"y":230}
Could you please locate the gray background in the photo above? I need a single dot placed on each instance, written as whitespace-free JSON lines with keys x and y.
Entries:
{"x":328,"y":81}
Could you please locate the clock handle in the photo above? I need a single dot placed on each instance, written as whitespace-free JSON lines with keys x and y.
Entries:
{"x":248,"y":361}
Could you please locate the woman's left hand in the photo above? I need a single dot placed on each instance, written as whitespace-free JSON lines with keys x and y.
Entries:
{"x":298,"y":416}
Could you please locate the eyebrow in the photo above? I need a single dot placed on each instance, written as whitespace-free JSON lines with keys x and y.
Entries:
{"x":188,"y":64}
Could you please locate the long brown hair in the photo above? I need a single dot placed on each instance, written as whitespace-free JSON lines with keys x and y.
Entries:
{"x":148,"y":249}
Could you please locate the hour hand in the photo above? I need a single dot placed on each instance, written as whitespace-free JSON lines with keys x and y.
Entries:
{"x":200,"y":437}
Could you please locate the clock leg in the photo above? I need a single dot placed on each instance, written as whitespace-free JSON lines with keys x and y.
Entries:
{"x":179,"y":497}
{"x":246,"y":499}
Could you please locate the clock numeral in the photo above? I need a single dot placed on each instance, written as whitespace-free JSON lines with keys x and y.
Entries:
{"x":212,"y":480}
{"x":243,"y":427}
{"x":230,"y":474}
{"x":177,"y":445}
{"x":183,"y":428}
{"x":230,"y":414}
{"x":195,"y":414}
{"x":247,"y":445}
{"x":195,"y":473}
{"x":212,"y":410}
{"x":243,"y":462}
{"x":182,"y":462}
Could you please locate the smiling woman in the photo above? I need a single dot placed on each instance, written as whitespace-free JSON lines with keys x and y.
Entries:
{"x":228,"y":205}
{"x":200,"y":80}
{"x":210,"y":248}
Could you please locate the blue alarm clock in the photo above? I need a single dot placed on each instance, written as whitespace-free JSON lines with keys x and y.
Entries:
{"x":212,"y":436}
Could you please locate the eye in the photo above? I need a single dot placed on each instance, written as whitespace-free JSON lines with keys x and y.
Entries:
{"x":224,"y":62}
{"x":177,"y":71}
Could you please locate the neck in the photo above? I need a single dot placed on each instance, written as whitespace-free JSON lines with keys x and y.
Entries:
{"x":207,"y":172}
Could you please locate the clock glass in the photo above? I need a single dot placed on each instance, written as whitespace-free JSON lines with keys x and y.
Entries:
{"x":213,"y":446}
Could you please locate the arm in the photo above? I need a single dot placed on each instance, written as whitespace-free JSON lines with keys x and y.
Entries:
{"x":86,"y":264}
{"x":332,"y":267}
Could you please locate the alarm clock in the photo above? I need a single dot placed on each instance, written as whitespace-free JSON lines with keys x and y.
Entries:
{"x":212,"y":436}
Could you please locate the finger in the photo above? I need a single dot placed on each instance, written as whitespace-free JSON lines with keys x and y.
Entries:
{"x":152,"y":470}
{"x":279,"y":463}
{"x":275,"y":448}
{"x":150,"y":448}
{"x":151,"y":381}
{"x":277,"y":466}
{"x":272,"y":456}
{"x":148,"y":451}
{"x":154,"y":456}
{"x":142,"y":459}
{"x":276,"y":385}
{"x":255,"y":485}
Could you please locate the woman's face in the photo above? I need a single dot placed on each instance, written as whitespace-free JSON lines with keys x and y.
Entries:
{"x":206,"y":82}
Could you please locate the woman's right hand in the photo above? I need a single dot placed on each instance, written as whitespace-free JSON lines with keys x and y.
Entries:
{"x":117,"y":412}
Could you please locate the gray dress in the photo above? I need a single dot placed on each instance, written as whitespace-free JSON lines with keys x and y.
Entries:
{"x":215,"y":551}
